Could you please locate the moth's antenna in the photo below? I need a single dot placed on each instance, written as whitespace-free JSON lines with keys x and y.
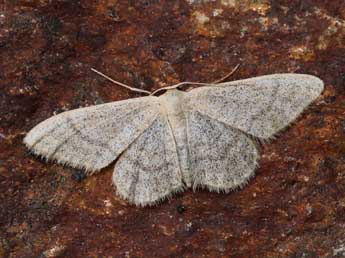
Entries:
{"x":227,"y":75}
{"x":198,"y":83}
{"x":120,"y":83}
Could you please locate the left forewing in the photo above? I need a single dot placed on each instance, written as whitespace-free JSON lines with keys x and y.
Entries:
{"x":92,"y":137}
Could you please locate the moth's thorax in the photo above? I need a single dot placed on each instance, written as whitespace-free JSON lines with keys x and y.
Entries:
{"x":172,"y":102}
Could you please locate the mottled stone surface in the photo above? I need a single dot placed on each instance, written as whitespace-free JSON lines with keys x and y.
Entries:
{"x":294,"y":207}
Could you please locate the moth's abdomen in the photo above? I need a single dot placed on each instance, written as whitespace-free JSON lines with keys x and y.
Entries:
{"x":173,"y":103}
{"x":178,"y":125}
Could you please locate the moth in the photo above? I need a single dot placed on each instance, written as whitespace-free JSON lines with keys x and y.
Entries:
{"x":165,"y":144}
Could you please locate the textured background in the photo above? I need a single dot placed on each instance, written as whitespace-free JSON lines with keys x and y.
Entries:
{"x":294,"y":207}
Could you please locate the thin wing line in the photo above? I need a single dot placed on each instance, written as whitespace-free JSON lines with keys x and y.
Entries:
{"x":148,"y":171}
{"x":222,"y":158}
{"x":259,"y":106}
{"x":92,"y":137}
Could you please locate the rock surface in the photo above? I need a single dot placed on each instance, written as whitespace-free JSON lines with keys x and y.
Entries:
{"x":294,"y":207}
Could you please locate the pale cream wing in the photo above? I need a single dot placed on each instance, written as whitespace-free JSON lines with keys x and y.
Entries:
{"x":149,"y":171}
{"x":92,"y":137}
{"x":222,"y":158}
{"x":259,"y":106}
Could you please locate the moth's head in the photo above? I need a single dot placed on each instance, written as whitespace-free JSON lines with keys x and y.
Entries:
{"x":175,"y":89}
{"x":174,"y":92}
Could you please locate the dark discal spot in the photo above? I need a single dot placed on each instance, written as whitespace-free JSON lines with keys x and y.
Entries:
{"x":78,"y":176}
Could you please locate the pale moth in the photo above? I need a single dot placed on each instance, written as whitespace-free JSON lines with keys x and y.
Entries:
{"x":201,"y":138}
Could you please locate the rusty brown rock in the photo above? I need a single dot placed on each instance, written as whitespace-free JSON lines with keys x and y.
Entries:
{"x":295,"y":205}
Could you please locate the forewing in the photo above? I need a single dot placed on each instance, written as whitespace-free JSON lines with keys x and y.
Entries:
{"x":148,"y":170}
{"x":92,"y":137}
{"x":221,"y":158}
{"x":259,"y":106}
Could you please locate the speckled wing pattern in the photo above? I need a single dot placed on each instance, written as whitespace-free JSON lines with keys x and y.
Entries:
{"x":259,"y":106}
{"x":222,"y":158}
{"x":220,"y":119}
{"x":149,"y":169}
{"x":92,"y":137}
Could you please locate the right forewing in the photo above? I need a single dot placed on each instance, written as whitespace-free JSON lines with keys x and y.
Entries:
{"x":92,"y":137}
{"x":259,"y":106}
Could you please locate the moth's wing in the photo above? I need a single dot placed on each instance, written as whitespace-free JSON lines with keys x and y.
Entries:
{"x":149,"y":171}
{"x":222,"y":158}
{"x":92,"y":137}
{"x":259,"y":106}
